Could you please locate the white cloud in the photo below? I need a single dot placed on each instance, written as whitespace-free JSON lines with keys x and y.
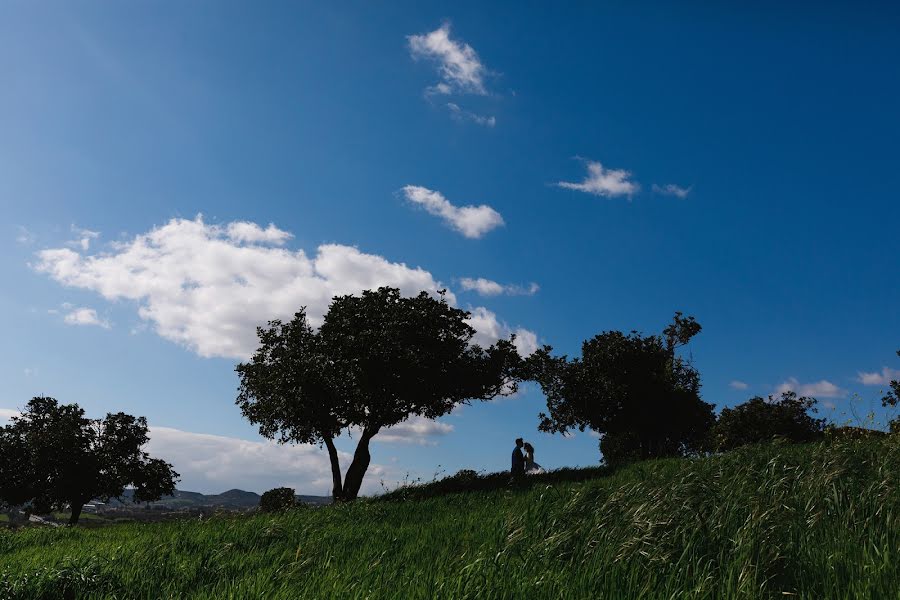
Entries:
{"x":489,"y":329}
{"x":83,"y":237}
{"x":818,"y":389}
{"x":670,"y":189}
{"x":471,"y":221}
{"x":415,"y":430}
{"x":30,"y":371}
{"x":526,"y":341}
{"x":459,"y":66}
{"x":214,"y":463}
{"x":604,"y":182}
{"x":460,"y":114}
{"x":883,"y":378}
{"x":738,"y":385}
{"x":8,"y":413}
{"x":208,"y":292}
{"x":486,"y":287}
{"x":24,"y":236}
{"x":243,"y":231}
{"x":85,"y":316}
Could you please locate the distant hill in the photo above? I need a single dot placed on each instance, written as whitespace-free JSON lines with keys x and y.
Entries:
{"x":232,"y":499}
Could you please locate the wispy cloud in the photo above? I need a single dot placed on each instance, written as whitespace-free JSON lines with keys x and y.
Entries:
{"x":601,"y":181}
{"x":459,"y":66}
{"x":883,"y":378}
{"x":85,"y":316}
{"x":83,"y":237}
{"x":471,"y":221}
{"x":818,"y":389}
{"x":461,"y":114}
{"x":415,"y":430}
{"x":24,"y":236}
{"x":670,"y":189}
{"x":8,"y":413}
{"x":487,"y":287}
{"x":738,"y":385}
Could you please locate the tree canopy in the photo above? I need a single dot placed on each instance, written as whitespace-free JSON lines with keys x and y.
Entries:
{"x":634,"y":390}
{"x":378,"y":359}
{"x":52,"y":456}
{"x":758,"y":420}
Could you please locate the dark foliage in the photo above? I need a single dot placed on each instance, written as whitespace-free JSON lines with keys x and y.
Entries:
{"x":635,"y":390}
{"x":892,"y":398}
{"x":52,"y":456}
{"x":378,"y":359}
{"x":468,"y":480}
{"x":760,"y":420}
{"x":277,"y":499}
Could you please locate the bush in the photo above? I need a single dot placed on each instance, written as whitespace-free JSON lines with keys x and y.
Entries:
{"x":760,"y":420}
{"x":277,"y":500}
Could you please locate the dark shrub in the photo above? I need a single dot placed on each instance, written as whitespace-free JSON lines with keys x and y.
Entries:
{"x":761,"y":420}
{"x":277,"y":499}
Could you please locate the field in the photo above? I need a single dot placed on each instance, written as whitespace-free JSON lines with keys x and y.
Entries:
{"x":774,"y":521}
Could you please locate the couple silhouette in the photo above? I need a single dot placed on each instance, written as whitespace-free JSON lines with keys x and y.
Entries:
{"x":523,"y":463}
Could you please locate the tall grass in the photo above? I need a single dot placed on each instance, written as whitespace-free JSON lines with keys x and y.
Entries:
{"x":816,"y":521}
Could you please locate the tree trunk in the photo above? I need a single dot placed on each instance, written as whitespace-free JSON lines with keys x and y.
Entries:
{"x":337,"y":492}
{"x":76,"y":513}
{"x":357,"y":469}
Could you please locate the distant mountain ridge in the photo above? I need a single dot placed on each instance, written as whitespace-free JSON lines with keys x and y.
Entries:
{"x":233,"y":499}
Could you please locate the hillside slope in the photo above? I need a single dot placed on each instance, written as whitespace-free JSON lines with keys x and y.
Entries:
{"x":817,"y":521}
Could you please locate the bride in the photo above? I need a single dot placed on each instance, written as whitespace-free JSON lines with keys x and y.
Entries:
{"x":531,"y":467}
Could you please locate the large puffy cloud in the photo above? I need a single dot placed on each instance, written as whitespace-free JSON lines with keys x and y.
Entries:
{"x":471,"y":221}
{"x":208,"y":287}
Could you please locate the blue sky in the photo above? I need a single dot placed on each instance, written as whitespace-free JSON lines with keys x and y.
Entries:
{"x":364,"y":131}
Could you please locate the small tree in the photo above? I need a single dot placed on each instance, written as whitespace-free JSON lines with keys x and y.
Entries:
{"x":52,"y":456}
{"x":277,"y":499}
{"x":634,"y":390}
{"x":378,"y":359}
{"x":759,"y":420}
{"x":892,"y":398}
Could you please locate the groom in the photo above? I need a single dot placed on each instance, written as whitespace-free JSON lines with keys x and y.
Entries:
{"x":518,"y":459}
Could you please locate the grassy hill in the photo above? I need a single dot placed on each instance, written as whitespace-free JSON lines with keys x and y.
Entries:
{"x":775,"y":521}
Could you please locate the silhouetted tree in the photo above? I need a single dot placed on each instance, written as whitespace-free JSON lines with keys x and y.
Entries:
{"x":277,"y":499}
{"x":892,"y":398}
{"x":759,"y":420}
{"x":52,"y":456}
{"x":378,"y":359}
{"x":634,"y":390}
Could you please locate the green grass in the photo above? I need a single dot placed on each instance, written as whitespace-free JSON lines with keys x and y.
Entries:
{"x":776,"y":521}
